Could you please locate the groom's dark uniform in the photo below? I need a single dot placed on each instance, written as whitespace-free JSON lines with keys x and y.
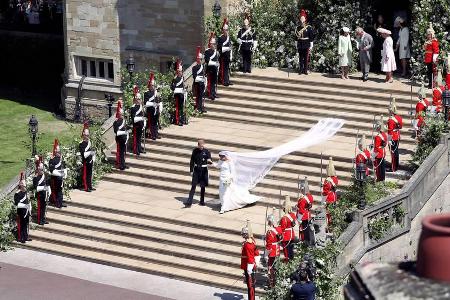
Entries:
{"x":199,"y":170}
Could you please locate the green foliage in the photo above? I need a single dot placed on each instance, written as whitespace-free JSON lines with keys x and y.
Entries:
{"x":325,"y":261}
{"x":7,"y":224}
{"x":163,"y":82}
{"x":379,"y":226}
{"x":423,"y":12}
{"x":398,"y":214}
{"x":428,"y":139}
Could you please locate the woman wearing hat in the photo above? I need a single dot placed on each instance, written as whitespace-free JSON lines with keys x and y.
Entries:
{"x":345,"y":52}
{"x":388,"y":64}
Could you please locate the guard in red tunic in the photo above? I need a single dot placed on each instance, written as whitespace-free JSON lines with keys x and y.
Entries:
{"x":121,"y":132}
{"x":329,"y":188}
{"x":249,"y":257}
{"x":58,"y":174}
{"x":363,"y":154}
{"x":274,"y":237}
{"x":439,"y":87}
{"x":304,"y":206}
{"x":23,"y":210}
{"x":421,"y":109}
{"x":152,"y":104}
{"x":225,"y":48}
{"x":394,"y":123}
{"x":42,"y":193}
{"x":431,"y":48}
{"x":212,"y":67}
{"x":198,"y":87}
{"x":379,"y":151}
{"x":287,"y":224}
{"x":177,"y":87}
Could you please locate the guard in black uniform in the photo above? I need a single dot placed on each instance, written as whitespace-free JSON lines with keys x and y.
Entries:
{"x":225,"y":48}
{"x":151,"y":101}
{"x":305,"y":37}
{"x":87,"y":152}
{"x":177,"y":87}
{"x":120,"y":129}
{"x":42,"y":192}
{"x":212,"y":67}
{"x":23,"y":210}
{"x":137,"y":116}
{"x":58,"y":173}
{"x":247,"y":44}
{"x":200,"y":159}
{"x":198,"y":87}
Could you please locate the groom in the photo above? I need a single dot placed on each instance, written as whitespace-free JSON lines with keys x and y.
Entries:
{"x":200,"y":159}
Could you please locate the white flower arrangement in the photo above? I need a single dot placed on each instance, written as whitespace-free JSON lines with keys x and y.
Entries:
{"x":227,"y":181}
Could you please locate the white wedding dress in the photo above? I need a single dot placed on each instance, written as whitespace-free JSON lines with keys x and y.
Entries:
{"x":232,"y":196}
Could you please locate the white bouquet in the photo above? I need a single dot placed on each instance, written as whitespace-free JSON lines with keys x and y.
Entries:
{"x":227,"y":181}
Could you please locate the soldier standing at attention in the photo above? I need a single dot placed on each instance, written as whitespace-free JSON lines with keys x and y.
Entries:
{"x":200,"y":159}
{"x":247,"y":44}
{"x":138,"y":119}
{"x":329,"y":188}
{"x":363,"y":155}
{"x":42,"y":192}
{"x":153,"y":110}
{"x":198,"y":87}
{"x":88,"y":157}
{"x":304,"y":205}
{"x":305,"y":38}
{"x":394,"y":123}
{"x":120,"y":129}
{"x":212,"y":67}
{"x":58,"y":173}
{"x":273,"y":246}
{"x":249,"y":257}
{"x":287,"y":224}
{"x":379,"y":152}
{"x":23,"y":210}
{"x":177,"y":87}
{"x":226,"y":54}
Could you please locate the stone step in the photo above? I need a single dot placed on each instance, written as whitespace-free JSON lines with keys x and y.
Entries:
{"x":270,"y":120}
{"x":128,"y":230}
{"x":98,"y":256}
{"x":106,"y":236}
{"x":316,"y":108}
{"x":325,"y":81}
{"x":318,"y":89}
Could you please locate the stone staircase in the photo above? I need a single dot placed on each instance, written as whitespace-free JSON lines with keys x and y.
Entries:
{"x":136,"y":218}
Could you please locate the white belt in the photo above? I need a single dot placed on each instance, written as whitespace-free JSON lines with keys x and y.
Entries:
{"x":22,"y":205}
{"x":247,"y":41}
{"x":178,"y":91}
{"x":202,"y":166}
{"x":199,"y":79}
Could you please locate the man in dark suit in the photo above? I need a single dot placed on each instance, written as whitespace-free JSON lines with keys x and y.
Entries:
{"x":303,"y":289}
{"x":364,"y":45}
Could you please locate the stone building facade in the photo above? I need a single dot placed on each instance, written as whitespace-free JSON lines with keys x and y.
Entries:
{"x":100,"y":35}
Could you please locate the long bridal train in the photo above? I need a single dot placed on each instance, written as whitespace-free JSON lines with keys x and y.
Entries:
{"x":241,"y":172}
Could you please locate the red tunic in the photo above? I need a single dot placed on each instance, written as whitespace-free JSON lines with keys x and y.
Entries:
{"x":395,"y":123}
{"x":437,"y":98}
{"x":381,"y":140}
{"x":329,"y":185}
{"x":287,"y":224}
{"x":304,"y":204}
{"x":422,"y":105}
{"x":447,"y":80}
{"x":363,"y":157}
{"x":273,"y":239}
{"x":431,"y":48}
{"x":249,"y":251}
{"x":331,"y":197}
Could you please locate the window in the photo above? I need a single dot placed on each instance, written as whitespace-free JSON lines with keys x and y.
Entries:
{"x":95,"y":68}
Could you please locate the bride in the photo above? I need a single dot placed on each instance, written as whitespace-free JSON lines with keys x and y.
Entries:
{"x":231,"y":195}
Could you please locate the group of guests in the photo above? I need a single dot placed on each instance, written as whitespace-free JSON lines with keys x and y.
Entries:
{"x":365,"y":45}
{"x":34,"y":12}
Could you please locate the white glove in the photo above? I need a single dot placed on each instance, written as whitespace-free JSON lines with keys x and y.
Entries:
{"x":435,"y":56}
{"x":239,"y":41}
{"x":192,"y":173}
{"x":311,"y":45}
{"x":250,"y":268}
{"x":49,"y":190}
{"x":255,"y":45}
{"x":65,"y":173}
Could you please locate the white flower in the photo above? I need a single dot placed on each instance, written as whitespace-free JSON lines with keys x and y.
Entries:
{"x":280,"y":49}
{"x":282,"y":33}
{"x":275,"y":33}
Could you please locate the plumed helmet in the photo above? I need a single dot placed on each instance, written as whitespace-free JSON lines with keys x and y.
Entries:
{"x":287,"y":207}
{"x":151,"y":80}
{"x":56,"y":148}
{"x":393,"y":106}
{"x":178,"y":66}
{"x":38,"y":163}
{"x":330,"y":168}
{"x":430,"y":29}
{"x":85,"y":129}
{"x":422,"y":92}
{"x":212,"y":39}
{"x":199,"y":55}
{"x":136,"y":93}
{"x":362,"y":142}
{"x":304,"y":186}
{"x":225,"y":24}
{"x":22,"y":182}
{"x":379,"y":125}
{"x":119,"y":110}
{"x":303,"y":15}
{"x":247,"y":231}
{"x":271,"y":217}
